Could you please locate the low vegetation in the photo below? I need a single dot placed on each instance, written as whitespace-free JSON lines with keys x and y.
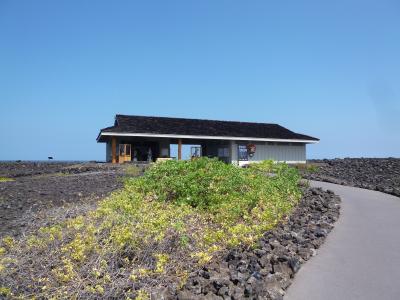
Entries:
{"x":6,"y":179}
{"x":178,"y":216}
{"x":307,"y":168}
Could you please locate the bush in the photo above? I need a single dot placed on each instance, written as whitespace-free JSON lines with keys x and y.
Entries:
{"x":178,"y":216}
{"x":6,"y":179}
{"x":307,"y":168}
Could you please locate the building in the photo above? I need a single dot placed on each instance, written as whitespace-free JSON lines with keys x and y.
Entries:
{"x":140,"y":138}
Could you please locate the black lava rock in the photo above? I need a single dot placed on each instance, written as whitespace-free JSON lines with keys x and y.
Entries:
{"x":378,"y":174}
{"x":267,"y":271}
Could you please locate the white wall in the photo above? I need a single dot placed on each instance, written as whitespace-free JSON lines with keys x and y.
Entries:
{"x":280,"y":152}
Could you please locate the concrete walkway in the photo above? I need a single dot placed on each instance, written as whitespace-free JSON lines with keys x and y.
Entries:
{"x":360,"y":259}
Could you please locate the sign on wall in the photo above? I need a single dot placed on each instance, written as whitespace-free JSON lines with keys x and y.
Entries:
{"x":251,"y":149}
{"x":242,"y":153}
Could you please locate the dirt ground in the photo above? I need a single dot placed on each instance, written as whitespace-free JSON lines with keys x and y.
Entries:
{"x":42,"y":193}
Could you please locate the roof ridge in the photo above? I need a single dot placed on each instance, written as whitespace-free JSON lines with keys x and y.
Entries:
{"x":199,"y":119}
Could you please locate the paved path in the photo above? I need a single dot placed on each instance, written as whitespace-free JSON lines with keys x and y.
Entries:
{"x":360,"y":259}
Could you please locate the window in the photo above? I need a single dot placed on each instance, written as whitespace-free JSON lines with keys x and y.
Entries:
{"x":124,"y":149}
{"x":223,"y":152}
{"x":195,"y":151}
{"x":164,"y":152}
{"x":242,"y":153}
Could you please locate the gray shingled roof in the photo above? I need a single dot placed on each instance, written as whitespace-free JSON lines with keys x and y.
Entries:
{"x":199,"y":127}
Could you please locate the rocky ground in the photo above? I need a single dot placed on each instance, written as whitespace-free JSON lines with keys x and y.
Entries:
{"x":42,"y":193}
{"x":47,"y":193}
{"x":266,"y":271}
{"x":27,"y":168}
{"x":380,"y":174}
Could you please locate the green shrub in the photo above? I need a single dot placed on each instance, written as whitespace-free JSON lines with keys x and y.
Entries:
{"x":6,"y":179}
{"x":132,"y":171}
{"x":266,"y":166}
{"x":307,"y":168}
{"x":176,"y":217}
{"x":312,"y":169}
{"x":203,"y":183}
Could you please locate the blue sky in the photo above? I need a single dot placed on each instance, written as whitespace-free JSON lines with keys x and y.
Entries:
{"x":330,"y":69}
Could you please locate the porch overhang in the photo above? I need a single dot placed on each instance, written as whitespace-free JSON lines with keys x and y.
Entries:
{"x":103,"y":137}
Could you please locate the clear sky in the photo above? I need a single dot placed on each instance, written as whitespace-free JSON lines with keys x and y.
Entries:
{"x":329,"y":69}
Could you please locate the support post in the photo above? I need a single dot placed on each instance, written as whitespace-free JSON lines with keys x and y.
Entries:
{"x":114,"y":149}
{"x":179,"y":149}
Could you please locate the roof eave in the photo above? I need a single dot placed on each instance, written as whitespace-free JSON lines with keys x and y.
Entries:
{"x":127,"y":134}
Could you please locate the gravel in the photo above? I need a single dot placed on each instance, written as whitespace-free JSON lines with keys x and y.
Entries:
{"x":44,"y":193}
{"x":379,"y":174}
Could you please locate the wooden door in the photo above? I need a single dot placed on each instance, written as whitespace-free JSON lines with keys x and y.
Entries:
{"x":124,"y":153}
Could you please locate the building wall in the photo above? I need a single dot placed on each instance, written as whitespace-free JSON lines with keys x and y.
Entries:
{"x":220,"y":149}
{"x":165,"y":149}
{"x":280,"y":152}
{"x":108,"y":152}
{"x":234,"y":152}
